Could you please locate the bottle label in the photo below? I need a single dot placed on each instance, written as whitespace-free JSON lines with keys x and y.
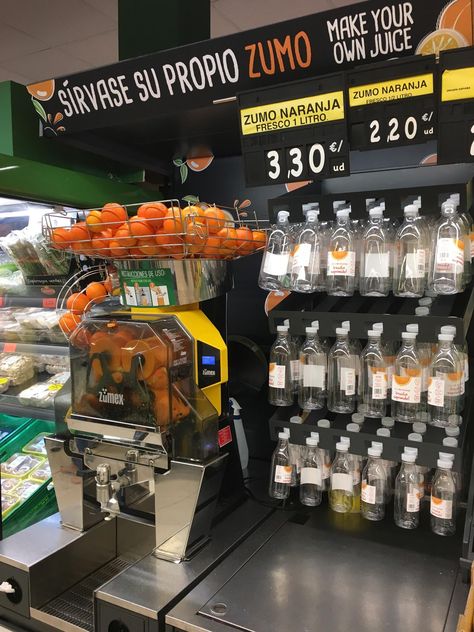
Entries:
{"x":449,"y":256}
{"x":342,"y":482}
{"x":283,"y":474}
{"x":314,"y":375}
{"x":276,"y":375}
{"x":295,"y":370}
{"x":311,"y":476}
{"x":295,"y":456}
{"x":377,"y":265}
{"x":367,"y":493}
{"x":379,"y":384}
{"x":341,"y":263}
{"x":277,"y":265}
{"x":301,"y":256}
{"x":413,"y":501}
{"x":406,"y":389}
{"x":415,"y":263}
{"x":440,"y":508}
{"x":436,"y":392}
{"x":453,"y":383}
{"x":471,"y":240}
{"x":348,"y":381}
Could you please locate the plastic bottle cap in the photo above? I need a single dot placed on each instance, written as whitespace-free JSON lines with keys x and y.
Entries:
{"x":410,"y":209}
{"x":410,"y":450}
{"x":445,"y":337}
{"x":283,"y":216}
{"x":340,"y":331}
{"x":415,"y":436}
{"x":378,"y":445}
{"x":346,"y":324}
{"x":373,"y":333}
{"x":296,"y":420}
{"x":352,"y":428}
{"x":423,"y":416}
{"x":346,"y":440}
{"x":337,"y":204}
{"x":408,"y":457}
{"x":343,"y":212}
{"x":283,"y":435}
{"x":287,"y":430}
{"x":445,"y":464}
{"x":408,"y":335}
{"x":383,"y":432}
{"x":357,"y":418}
{"x":374,"y":452}
{"x":311,"y":330}
{"x":282,"y":328}
{"x":452,"y":431}
{"x":422,"y":311}
{"x":388,"y":422}
{"x":448,"y":329}
{"x":450,"y":442}
{"x":305,"y":208}
{"x":315,"y":324}
{"x":456,"y":197}
{"x":446,"y":456}
{"x":312,"y":441}
{"x":376,"y":211}
{"x":342,"y":447}
{"x":315,"y":435}
{"x":311,"y":216}
{"x":370,"y":200}
{"x":426,"y":301}
{"x":412,"y":328}
{"x":419,"y":427}
{"x":324,"y":423}
{"x":378,"y":327}
{"x":454,"y":420}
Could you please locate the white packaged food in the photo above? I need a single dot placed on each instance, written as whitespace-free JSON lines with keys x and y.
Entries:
{"x":18,"y":368}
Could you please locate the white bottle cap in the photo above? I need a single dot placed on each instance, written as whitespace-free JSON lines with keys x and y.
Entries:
{"x":426,"y":301}
{"x":311,"y":330}
{"x":410,"y":209}
{"x":412,"y":328}
{"x":312,"y":216}
{"x":452,"y":431}
{"x":455,"y":197}
{"x":410,"y":450}
{"x":283,"y":216}
{"x":454,"y":420}
{"x":343,"y":212}
{"x":415,"y":436}
{"x":408,"y":458}
{"x":357,"y":418}
{"x":378,"y":327}
{"x":376,"y":211}
{"x":283,"y":435}
{"x":419,"y":427}
{"x":370,"y":200}
{"x":445,"y":464}
{"x":383,"y":432}
{"x":287,"y":430}
{"x":388,"y":422}
{"x":374,"y":452}
{"x":340,"y":331}
{"x":324,"y":423}
{"x":338,"y":204}
{"x":286,"y":322}
{"x":353,"y":428}
{"x":373,"y":333}
{"x":445,"y":337}
{"x":448,"y":329}
{"x":312,"y":441}
{"x":282,"y":328}
{"x":342,"y":447}
{"x":446,"y":456}
{"x":450,"y":442}
{"x":346,"y":440}
{"x":422,"y":311}
{"x":305,"y":208}
{"x":315,"y":435}
{"x":408,"y":335}
{"x":382,"y":204}
{"x":423,"y":416}
{"x":315,"y":324}
{"x":346,"y":324}
{"x":378,"y":445}
{"x":296,"y":420}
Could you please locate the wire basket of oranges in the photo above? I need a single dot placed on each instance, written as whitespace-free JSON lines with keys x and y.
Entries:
{"x":157,"y":230}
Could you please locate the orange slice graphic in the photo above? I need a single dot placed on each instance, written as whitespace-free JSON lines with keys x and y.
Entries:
{"x":401,"y":380}
{"x":339,"y":254}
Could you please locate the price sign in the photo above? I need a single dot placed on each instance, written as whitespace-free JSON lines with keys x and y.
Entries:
{"x":456,"y":107}
{"x":393,"y":105}
{"x":295,"y":132}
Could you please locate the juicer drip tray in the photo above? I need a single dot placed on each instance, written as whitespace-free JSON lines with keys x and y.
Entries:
{"x":74,"y":607}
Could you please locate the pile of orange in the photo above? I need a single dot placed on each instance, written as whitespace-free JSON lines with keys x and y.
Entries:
{"x":80,"y":302}
{"x":159,"y":231}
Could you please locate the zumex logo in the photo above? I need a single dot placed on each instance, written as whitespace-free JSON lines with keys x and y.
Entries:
{"x":209,"y":372}
{"x":111,"y":398}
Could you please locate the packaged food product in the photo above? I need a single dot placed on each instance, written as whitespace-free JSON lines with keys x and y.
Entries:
{"x":9,"y":484}
{"x":4,"y":386}
{"x":29,"y":250}
{"x":20,"y":465}
{"x":37,"y":445}
{"x":9,"y":503}
{"x":41,"y":474}
{"x":25,"y":489}
{"x":40,"y":395}
{"x":18,"y":368}
{"x":9,"y":330}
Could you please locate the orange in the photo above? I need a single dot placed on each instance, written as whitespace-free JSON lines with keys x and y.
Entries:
{"x":179,"y":410}
{"x":193,"y":214}
{"x":43,"y":90}
{"x":140,"y":227}
{"x":160,"y":351}
{"x":199,"y":163}
{"x":229,"y":239}
{"x":401,"y":380}
{"x":442,"y":39}
{"x":61,"y":237}
{"x":96,"y":368}
{"x":116,"y":249}
{"x":136,"y":252}
{"x":100,"y":243}
{"x":79,"y":232}
{"x":259,"y":239}
{"x":195,"y":238}
{"x":159,"y":379}
{"x":117,"y":377}
{"x":124,"y":236}
{"x":162,"y":406}
{"x":412,"y":372}
{"x":215,"y":219}
{"x":95,"y":290}
{"x":77,"y":303}
{"x":108,"y":285}
{"x":173,"y":222}
{"x":145,"y":364}
{"x":114,"y":214}
{"x":68,"y":322}
{"x":212,"y":248}
{"x":148,"y":247}
{"x":111,"y":350}
{"x":93,"y":221}
{"x":244,"y":240}
{"x":172,"y":244}
{"x":457,"y":15}
{"x":153,"y":212}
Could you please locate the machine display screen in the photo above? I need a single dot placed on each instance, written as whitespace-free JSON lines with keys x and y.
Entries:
{"x":209,"y":360}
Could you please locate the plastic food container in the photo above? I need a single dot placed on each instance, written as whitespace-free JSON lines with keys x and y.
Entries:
{"x":9,"y":503}
{"x":18,"y":368}
{"x":20,"y":465}
{"x":26,"y":489}
{"x":41,"y":474}
{"x":36,"y":446}
{"x":9,"y":484}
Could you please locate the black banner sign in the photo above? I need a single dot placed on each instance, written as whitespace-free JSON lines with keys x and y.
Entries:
{"x":456,"y":107}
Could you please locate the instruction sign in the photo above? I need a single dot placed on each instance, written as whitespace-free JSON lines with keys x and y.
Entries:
{"x":147,"y":287}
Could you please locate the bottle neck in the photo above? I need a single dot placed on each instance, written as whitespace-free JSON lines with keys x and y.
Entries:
{"x":342,"y":338}
{"x":445,"y":346}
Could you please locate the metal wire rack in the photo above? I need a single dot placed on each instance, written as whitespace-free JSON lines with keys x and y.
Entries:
{"x":162,"y":229}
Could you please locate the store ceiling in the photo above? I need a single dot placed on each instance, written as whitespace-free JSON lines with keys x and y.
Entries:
{"x":51,"y":38}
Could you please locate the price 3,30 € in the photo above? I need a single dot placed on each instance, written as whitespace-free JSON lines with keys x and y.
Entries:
{"x":305,"y":161}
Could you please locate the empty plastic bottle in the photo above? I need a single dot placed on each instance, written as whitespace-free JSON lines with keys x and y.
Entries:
{"x":409,"y":273}
{"x":326,"y":460}
{"x":280,"y":472}
{"x":425,"y":352}
{"x":280,"y":387}
{"x":391,"y":468}
{"x":341,"y":263}
{"x":373,"y":490}
{"x":449,"y":241}
{"x":389,"y":353}
{"x":407,"y":493}
{"x":311,"y":481}
{"x":276,"y":262}
{"x":443,"y":500}
{"x":313,"y":370}
{"x":464,"y":354}
{"x":406,"y":382}
{"x":342,"y":375}
{"x":341,"y":490}
{"x":466,"y":218}
{"x":306,"y":272}
{"x":373,"y":377}
{"x":375,"y":279}
{"x":446,"y":382}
